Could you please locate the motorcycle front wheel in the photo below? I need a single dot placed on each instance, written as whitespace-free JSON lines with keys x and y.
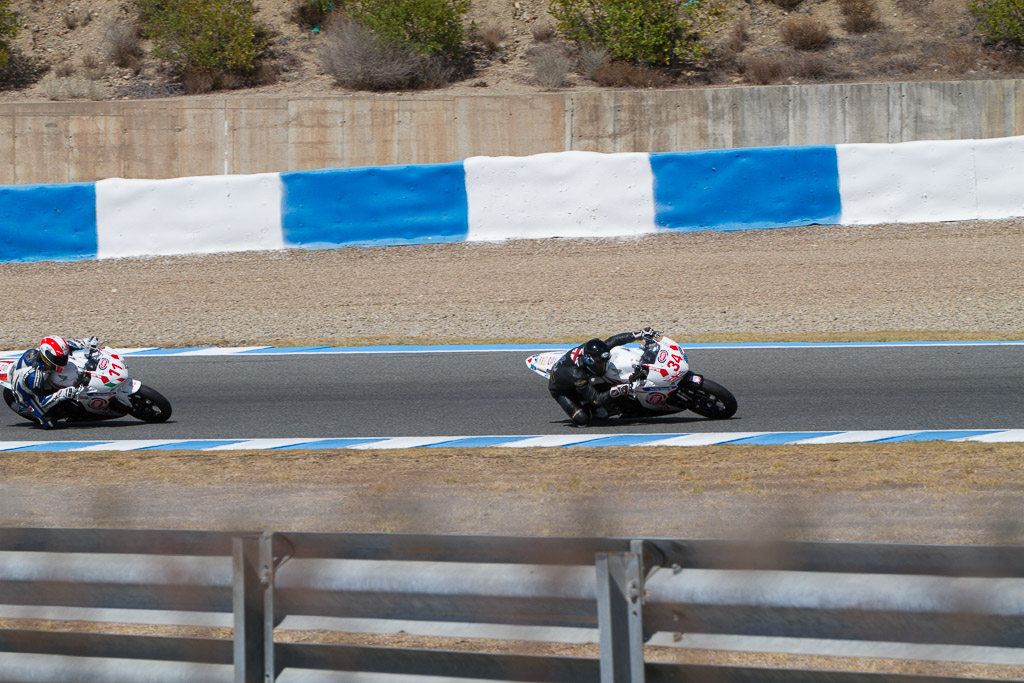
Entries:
{"x":710,"y":400}
{"x":149,"y":405}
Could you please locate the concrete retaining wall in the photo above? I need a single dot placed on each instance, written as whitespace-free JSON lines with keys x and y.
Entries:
{"x":61,"y":142}
{"x":567,"y":194}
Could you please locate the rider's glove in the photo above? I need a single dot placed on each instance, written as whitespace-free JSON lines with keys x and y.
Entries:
{"x":67,"y":393}
{"x":91,"y":342}
{"x":620,"y":390}
{"x":647,"y":333}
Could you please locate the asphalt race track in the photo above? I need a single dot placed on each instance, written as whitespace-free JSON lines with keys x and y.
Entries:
{"x":493,"y":393}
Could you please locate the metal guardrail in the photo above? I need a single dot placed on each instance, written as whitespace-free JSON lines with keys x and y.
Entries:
{"x":626,"y":588}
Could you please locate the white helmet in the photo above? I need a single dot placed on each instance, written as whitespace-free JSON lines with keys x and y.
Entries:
{"x":54,"y":352}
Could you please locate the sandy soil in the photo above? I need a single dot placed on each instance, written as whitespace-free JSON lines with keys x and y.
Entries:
{"x":944,"y":280}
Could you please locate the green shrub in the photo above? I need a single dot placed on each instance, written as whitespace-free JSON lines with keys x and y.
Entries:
{"x":430,"y":27}
{"x":10,"y":24}
{"x":1000,"y":21}
{"x":216,"y":37}
{"x":650,"y":31}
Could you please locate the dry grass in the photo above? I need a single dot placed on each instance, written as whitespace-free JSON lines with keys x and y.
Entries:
{"x":574,"y":491}
{"x":491,"y":37}
{"x":859,"y":16}
{"x":592,"y":59}
{"x":551,"y":67}
{"x":522,"y":647}
{"x":763,"y":69}
{"x":543,"y":32}
{"x":123,"y":45}
{"x":75,"y":17}
{"x":357,"y":59}
{"x":618,"y":74}
{"x":64,"y":70}
{"x":937,"y":467}
{"x":804,"y":33}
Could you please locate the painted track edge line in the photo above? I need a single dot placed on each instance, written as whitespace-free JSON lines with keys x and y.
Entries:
{"x":588,"y":439}
{"x":493,"y":348}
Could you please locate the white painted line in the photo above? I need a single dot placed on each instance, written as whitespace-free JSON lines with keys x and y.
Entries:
{"x":402,"y":442}
{"x":555,"y":440}
{"x":11,"y":445}
{"x":129,"y":444}
{"x":220,"y":351}
{"x":858,"y":436}
{"x":1005,"y":436}
{"x":589,"y":438}
{"x":703,"y":439}
{"x":258,"y":444}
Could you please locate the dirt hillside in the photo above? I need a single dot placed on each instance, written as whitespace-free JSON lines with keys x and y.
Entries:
{"x":905,"y":40}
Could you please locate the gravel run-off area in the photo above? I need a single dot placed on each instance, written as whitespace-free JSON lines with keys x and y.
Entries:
{"x":943,"y":280}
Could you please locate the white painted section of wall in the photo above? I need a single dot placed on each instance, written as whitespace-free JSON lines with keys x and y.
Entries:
{"x":197,"y":215}
{"x":1000,"y":168}
{"x":908,"y":182}
{"x":564,"y":194}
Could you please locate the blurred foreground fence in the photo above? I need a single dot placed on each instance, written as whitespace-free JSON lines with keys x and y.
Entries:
{"x":628,"y":589}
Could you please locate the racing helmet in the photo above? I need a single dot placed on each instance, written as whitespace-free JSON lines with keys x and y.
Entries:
{"x":54,"y":352}
{"x":595,"y":356}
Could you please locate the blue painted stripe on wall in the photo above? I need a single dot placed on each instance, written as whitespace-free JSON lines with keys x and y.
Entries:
{"x":48,"y":222}
{"x":732,"y":189}
{"x":408,"y":204}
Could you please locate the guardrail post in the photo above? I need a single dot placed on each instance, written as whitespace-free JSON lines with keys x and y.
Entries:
{"x":248,"y":606}
{"x":254,"y":563}
{"x":620,"y":589}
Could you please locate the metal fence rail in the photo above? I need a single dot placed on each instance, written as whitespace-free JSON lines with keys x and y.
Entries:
{"x":626,"y":588}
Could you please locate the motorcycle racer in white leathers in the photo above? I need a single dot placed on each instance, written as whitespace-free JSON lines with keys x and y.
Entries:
{"x":43,"y":378}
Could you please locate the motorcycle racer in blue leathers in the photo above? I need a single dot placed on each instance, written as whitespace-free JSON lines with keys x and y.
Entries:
{"x":43,"y":378}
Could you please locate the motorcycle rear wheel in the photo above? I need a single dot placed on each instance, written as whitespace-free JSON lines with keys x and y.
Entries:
{"x":149,"y":405}
{"x":710,"y":400}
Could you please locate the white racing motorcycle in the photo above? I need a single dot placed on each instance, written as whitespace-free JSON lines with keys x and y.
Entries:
{"x":667,"y":385}
{"x":109,"y":391}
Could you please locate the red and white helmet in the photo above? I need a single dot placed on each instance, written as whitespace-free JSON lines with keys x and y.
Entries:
{"x":54,"y":352}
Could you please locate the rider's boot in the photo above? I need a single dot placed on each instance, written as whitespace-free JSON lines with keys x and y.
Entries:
{"x":581,"y":418}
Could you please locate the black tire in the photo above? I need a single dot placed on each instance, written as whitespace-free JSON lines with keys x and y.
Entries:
{"x":711,"y":400}
{"x":149,"y":405}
